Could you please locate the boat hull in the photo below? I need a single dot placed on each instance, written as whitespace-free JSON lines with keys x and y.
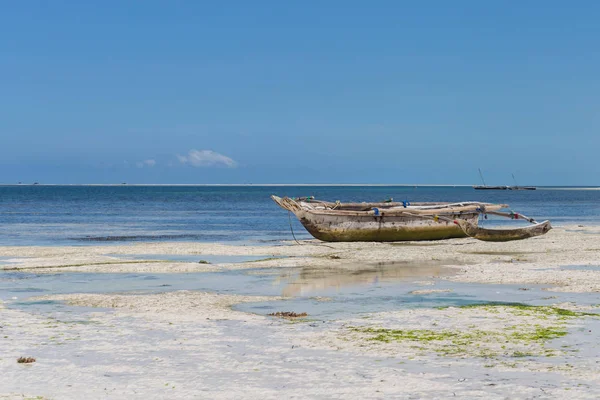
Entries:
{"x":505,"y":234}
{"x":388,"y":228}
{"x":490,"y":187}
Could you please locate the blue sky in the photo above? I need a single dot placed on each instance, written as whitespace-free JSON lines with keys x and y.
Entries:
{"x":283,"y":92}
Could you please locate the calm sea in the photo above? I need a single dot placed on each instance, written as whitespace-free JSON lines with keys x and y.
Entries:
{"x":83,"y":215}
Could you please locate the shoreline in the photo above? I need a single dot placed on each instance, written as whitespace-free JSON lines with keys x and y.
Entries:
{"x":533,"y":261}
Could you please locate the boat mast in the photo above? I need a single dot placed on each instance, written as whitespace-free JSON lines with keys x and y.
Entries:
{"x":514,"y":179}
{"x":481,"y":175}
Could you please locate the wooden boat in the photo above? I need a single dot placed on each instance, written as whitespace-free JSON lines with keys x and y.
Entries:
{"x":382,"y":222}
{"x":390,"y":221}
{"x":504,"y":234}
{"x":482,"y":187}
{"x":485,"y":187}
{"x":517,"y":187}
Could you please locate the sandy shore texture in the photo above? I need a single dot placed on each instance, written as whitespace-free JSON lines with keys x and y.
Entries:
{"x":187,"y":344}
{"x":190,"y":344}
{"x":533,"y":261}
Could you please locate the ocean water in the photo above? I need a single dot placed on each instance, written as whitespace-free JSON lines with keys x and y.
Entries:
{"x":84,"y":215}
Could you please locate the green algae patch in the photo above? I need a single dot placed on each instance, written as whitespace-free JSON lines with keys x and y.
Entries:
{"x":417,"y":335}
{"x":475,"y":343}
{"x":529,"y":310}
{"x":501,"y":330}
{"x":540,"y":334}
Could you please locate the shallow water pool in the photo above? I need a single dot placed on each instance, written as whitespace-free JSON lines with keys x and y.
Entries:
{"x":324,"y":293}
{"x":581,"y":267}
{"x":208,"y":258}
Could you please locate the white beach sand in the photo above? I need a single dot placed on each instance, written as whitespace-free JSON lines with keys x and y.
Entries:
{"x":188,"y":344}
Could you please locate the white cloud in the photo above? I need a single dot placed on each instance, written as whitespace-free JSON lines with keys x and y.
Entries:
{"x":206,"y":158}
{"x":146,"y":163}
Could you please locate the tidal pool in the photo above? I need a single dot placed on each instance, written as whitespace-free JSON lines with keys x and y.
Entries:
{"x":323,"y":293}
{"x":209,"y":258}
{"x":9,"y":260}
{"x":581,"y":267}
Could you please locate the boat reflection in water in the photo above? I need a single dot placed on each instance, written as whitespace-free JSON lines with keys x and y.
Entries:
{"x":311,"y":280}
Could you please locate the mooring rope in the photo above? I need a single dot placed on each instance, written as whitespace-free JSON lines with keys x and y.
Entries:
{"x":294,"y":236}
{"x":291,"y":228}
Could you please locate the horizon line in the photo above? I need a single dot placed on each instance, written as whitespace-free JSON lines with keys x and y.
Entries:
{"x":283,"y":185}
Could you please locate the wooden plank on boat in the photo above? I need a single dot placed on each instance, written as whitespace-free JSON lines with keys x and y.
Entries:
{"x":424,"y":209}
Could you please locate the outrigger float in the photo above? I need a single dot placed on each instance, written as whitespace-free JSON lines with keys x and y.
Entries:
{"x":394,"y":221}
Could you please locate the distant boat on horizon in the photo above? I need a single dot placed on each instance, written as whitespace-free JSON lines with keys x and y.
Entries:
{"x":517,"y":187}
{"x":486,"y":187}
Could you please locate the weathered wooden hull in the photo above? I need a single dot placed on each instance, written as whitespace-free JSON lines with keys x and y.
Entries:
{"x":505,"y":234}
{"x":330,"y":227}
{"x":392,"y":222}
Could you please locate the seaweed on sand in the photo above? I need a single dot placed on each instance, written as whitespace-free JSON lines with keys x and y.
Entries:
{"x":288,"y":314}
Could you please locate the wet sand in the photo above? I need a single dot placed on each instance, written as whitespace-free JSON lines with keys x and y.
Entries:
{"x":187,"y":344}
{"x":533,"y":261}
